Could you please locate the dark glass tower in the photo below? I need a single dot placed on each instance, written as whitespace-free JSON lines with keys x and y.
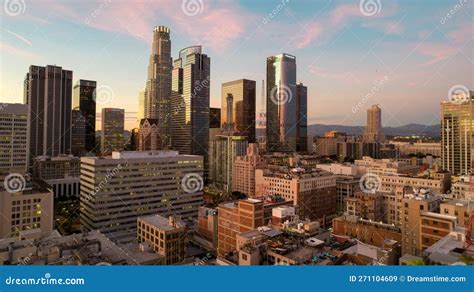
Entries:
{"x":48,"y":93}
{"x":302,"y":119}
{"x":243,"y":107}
{"x":84,"y":101}
{"x":281,"y":104}
{"x":190,"y":95}
{"x":158,"y":87}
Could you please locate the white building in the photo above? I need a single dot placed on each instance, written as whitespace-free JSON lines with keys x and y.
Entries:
{"x":116,"y":190}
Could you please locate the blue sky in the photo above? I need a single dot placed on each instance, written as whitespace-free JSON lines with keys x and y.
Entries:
{"x":403,"y":55}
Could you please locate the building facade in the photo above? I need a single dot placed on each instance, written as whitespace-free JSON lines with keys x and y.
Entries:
{"x":242,"y":120}
{"x":48,"y":94}
{"x":191,"y":102}
{"x":374,"y":131}
{"x":116,"y":190}
{"x":457,"y":136}
{"x":113,"y":120}
{"x":14,"y":145}
{"x":158,"y":87}
{"x":84,"y":100}
{"x":148,"y":135}
{"x":243,"y":174}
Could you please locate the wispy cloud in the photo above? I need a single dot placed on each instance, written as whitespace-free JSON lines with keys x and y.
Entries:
{"x":14,"y":51}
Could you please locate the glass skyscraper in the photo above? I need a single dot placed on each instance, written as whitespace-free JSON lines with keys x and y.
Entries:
{"x":243,"y":108}
{"x":190,"y":102}
{"x":84,"y":101}
{"x":286,"y":106}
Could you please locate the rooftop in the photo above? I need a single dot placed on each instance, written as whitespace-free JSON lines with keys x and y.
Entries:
{"x":166,"y":224}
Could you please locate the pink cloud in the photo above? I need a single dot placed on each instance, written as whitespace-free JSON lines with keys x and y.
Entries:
{"x":462,"y":34}
{"x":436,"y":52}
{"x":388,"y":27}
{"x":9,"y":49}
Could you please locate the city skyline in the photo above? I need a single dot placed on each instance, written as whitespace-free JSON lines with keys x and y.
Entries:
{"x":389,"y":58}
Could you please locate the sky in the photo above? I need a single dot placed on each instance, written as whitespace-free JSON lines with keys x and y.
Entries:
{"x":403,"y":55}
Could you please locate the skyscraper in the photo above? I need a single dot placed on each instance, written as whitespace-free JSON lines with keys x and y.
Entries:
{"x":158,"y":87}
{"x":14,"y":141}
{"x":243,"y":107}
{"x":457,"y":135}
{"x":373,"y":131}
{"x":113,"y":120}
{"x":301,"y":117}
{"x":190,"y":102}
{"x":78,"y":133}
{"x":48,"y":93}
{"x":214,"y":117}
{"x":281,"y":103}
{"x":84,"y":101}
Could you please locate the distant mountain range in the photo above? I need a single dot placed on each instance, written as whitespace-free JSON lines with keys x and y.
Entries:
{"x":406,"y":130}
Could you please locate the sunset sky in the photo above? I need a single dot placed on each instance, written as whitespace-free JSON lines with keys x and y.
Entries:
{"x":419,"y":50}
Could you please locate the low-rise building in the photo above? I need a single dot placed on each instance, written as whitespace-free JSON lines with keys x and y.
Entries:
{"x":166,"y":236}
{"x":243,"y":179}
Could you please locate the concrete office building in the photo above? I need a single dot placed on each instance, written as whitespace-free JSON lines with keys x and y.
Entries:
{"x":14,"y":132}
{"x":117,"y":189}
{"x":26,"y":214}
{"x":78,"y":133}
{"x":243,"y":174}
{"x":113,"y":120}
{"x":312,"y":191}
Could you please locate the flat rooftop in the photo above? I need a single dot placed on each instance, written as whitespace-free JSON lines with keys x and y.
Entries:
{"x":161,"y":222}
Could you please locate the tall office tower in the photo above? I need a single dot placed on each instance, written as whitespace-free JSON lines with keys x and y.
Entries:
{"x":373,"y":131}
{"x":148,"y":135}
{"x":243,"y":107}
{"x":48,"y":93}
{"x":158,"y":86}
{"x":302,"y":117}
{"x":14,"y":141}
{"x":78,"y":133}
{"x":113,"y":120}
{"x":214,"y":117}
{"x":457,"y":135}
{"x":190,"y":102}
{"x":84,"y":100}
{"x":281,"y":104}
{"x":141,"y":107}
{"x":116,"y":190}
